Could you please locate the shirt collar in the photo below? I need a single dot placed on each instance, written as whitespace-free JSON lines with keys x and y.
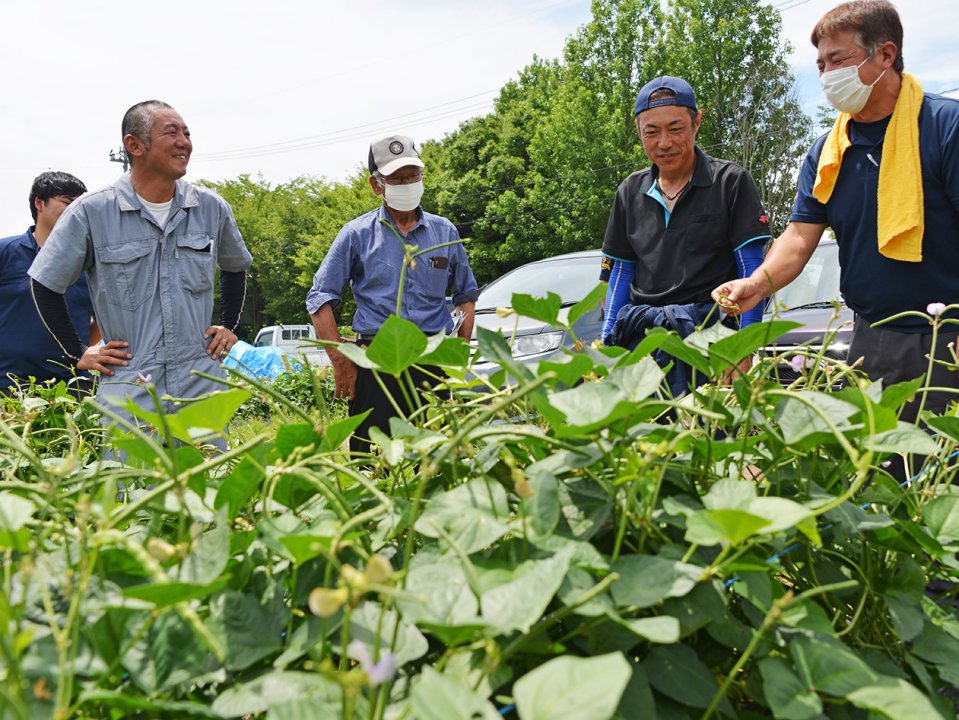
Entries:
{"x":184,"y":195}
{"x":383,"y":214}
{"x":28,"y":240}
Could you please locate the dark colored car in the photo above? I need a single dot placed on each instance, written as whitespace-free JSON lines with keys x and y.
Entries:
{"x":814,"y":300}
{"x":571,"y":276}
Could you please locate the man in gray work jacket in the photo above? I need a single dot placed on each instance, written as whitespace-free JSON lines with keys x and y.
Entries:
{"x":150,"y":244}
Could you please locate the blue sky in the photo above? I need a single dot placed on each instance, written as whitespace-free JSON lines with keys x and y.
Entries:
{"x":296,"y":87}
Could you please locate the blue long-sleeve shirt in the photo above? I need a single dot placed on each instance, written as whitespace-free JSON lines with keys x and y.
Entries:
{"x":369,"y":256}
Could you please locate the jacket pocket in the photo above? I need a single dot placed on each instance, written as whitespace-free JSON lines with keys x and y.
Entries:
{"x":129,"y":270}
{"x":196,"y":262}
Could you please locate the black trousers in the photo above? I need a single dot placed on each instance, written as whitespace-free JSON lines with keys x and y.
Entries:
{"x":370,"y":396}
{"x":896,"y":357}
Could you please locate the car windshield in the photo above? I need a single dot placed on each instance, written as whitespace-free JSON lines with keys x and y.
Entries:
{"x":817,"y":283}
{"x":570,"y":278}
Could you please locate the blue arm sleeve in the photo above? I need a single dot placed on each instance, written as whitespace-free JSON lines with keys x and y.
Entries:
{"x":748,"y":258}
{"x":617,"y":295}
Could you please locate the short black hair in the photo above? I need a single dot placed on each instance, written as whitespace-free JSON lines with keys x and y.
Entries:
{"x":53,"y":184}
{"x":138,"y":120}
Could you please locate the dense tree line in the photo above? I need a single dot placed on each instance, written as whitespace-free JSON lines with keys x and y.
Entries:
{"x":536,"y":176}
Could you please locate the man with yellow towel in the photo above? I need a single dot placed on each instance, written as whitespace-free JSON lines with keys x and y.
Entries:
{"x":885,"y":173}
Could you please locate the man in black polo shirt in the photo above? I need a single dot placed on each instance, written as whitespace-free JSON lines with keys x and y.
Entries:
{"x":678,"y":228}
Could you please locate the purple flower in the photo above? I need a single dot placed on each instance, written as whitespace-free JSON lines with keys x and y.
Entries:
{"x":379,"y":672}
{"x":936,"y":309}
{"x":799,"y":363}
{"x":144,"y":379}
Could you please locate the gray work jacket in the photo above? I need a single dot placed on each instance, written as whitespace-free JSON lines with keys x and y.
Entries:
{"x":150,"y":286}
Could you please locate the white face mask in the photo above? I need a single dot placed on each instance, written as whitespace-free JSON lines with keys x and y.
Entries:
{"x":844,"y":90}
{"x":404,"y":197}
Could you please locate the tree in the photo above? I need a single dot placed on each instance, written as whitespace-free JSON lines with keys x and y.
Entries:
{"x":288,"y":229}
{"x":537,"y":176}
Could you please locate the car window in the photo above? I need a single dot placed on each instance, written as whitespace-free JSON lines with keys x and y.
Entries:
{"x":263,"y":338}
{"x":817,"y":283}
{"x":295,"y":333}
{"x":570,"y":278}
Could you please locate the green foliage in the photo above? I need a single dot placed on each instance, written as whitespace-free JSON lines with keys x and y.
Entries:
{"x":288,"y":229}
{"x":537,"y":176}
{"x":595,"y":551}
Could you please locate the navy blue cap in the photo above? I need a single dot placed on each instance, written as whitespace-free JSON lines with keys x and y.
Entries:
{"x":684,"y":95}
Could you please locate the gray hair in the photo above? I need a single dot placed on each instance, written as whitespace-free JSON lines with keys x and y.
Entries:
{"x":138,"y":120}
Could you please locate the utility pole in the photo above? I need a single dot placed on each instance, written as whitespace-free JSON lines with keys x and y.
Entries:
{"x":120,"y":156}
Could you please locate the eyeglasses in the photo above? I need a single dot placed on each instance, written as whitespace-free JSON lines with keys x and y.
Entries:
{"x":404,"y":179}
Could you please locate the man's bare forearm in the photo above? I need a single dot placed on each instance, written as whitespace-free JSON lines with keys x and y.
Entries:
{"x":788,"y":256}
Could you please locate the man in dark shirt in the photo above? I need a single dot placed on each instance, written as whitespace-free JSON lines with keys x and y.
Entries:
{"x":28,"y":349}
{"x":677,"y":228}
{"x":891,"y":141}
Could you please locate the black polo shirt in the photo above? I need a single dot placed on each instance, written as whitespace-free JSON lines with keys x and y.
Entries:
{"x":681,"y":256}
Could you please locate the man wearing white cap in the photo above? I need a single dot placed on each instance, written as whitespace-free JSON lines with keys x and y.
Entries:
{"x":368,"y":254}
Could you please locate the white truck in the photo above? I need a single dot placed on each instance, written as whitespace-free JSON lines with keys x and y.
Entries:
{"x":292,"y":340}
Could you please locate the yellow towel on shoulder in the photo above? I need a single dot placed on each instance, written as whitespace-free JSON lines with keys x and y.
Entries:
{"x":901,"y":216}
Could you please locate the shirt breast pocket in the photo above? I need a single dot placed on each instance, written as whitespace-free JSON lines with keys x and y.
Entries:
{"x":705,"y":233}
{"x":437,"y":281}
{"x":196,"y":262}
{"x":129,"y":271}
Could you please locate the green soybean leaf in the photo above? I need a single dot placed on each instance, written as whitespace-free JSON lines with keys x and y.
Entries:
{"x":209,"y":415}
{"x":745,"y":342}
{"x":590,"y":406}
{"x":545,"y":309}
{"x":674,"y":345}
{"x":440,"y":697}
{"x":292,"y":436}
{"x":637,"y":380}
{"x":15,"y":511}
{"x":588,"y":304}
{"x":895,"y":395}
{"x":238,"y":487}
{"x":646,"y":580}
{"x":438,"y":592}
{"x":941,"y":516}
{"x":569,"y":369}
{"x":712,"y":527}
{"x":274,"y":688}
{"x":473,"y":515}
{"x":166,"y":594}
{"x":663,"y":629}
{"x":895,"y":698}
{"x":249,"y":630}
{"x":336,"y":433}
{"x":785,"y":693}
{"x":946,"y":424}
{"x":517,"y":604}
{"x":306,"y":546}
{"x":450,"y":352}
{"x":809,"y":419}
{"x":905,"y":438}
{"x":677,"y":672}
{"x":542,"y":509}
{"x":826,"y":665}
{"x":397,"y":345}
{"x":571,"y":688}
{"x":357,"y":355}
